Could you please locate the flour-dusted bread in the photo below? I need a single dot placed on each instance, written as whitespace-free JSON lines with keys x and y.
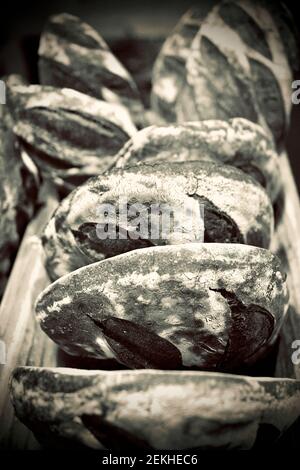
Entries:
{"x":63,"y":129}
{"x":221,"y":200}
{"x":169,"y":72}
{"x":73,"y":55}
{"x":19,"y":182}
{"x":211,"y":306}
{"x":152,"y":409}
{"x":237,"y":142}
{"x":234,"y":65}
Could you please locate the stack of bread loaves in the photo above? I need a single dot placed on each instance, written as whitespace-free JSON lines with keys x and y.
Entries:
{"x":189,"y":312}
{"x":19,"y":183}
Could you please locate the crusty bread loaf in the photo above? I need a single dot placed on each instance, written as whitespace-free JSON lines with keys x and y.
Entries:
{"x":237,"y":142}
{"x":211,"y":306}
{"x":64,"y":130}
{"x":19,"y":183}
{"x":207,"y":190}
{"x":73,"y":55}
{"x":152,"y":409}
{"x":235,"y":64}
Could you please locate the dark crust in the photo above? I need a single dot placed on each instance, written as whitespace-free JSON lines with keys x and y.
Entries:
{"x":49,"y":383}
{"x":99,"y":132}
{"x":251,"y":170}
{"x":51,"y":161}
{"x":112,"y":436}
{"x":73,"y":30}
{"x":227,"y":86}
{"x":287,"y":30}
{"x":246,"y":27}
{"x":138,"y":347}
{"x":251,"y":328}
{"x":91,"y":245}
{"x":56,"y":74}
{"x":270,"y":99}
{"x":219,"y":227}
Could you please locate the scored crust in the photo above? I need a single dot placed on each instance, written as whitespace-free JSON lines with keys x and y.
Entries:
{"x":237,"y":142}
{"x":72,"y":54}
{"x":209,"y":306}
{"x":63,"y":129}
{"x":70,"y":239}
{"x":229,"y":61}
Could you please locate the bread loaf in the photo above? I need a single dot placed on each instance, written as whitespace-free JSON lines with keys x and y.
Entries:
{"x":201,"y":196}
{"x":63,"y":129}
{"x":234,"y":65}
{"x":237,"y":142}
{"x":210,"y":306}
{"x":19,"y":182}
{"x":73,"y":55}
{"x":152,"y":409}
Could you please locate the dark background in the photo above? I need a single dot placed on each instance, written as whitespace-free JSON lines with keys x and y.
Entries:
{"x":21,"y":25}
